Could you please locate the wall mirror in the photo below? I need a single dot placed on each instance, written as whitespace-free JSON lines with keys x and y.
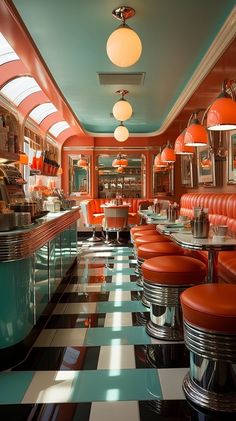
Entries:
{"x":163,"y":180}
{"x":126,"y":180}
{"x":79,"y":174}
{"x":187,"y":179}
{"x":231,"y":158}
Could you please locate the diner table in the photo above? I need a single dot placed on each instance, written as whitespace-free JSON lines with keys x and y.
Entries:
{"x":211,"y":244}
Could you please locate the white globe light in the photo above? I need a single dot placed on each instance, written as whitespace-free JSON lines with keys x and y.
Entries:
{"x":121,"y":133}
{"x":124,"y":47}
{"x":122,"y":110}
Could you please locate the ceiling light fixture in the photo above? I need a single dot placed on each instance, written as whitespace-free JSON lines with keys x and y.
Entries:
{"x":120,"y":161}
{"x":180,"y":147}
{"x":124,"y":46}
{"x":222,"y":113}
{"x":196,"y":134}
{"x":168,"y":154}
{"x":121,"y":133}
{"x":158,"y":163}
{"x":122,"y":109}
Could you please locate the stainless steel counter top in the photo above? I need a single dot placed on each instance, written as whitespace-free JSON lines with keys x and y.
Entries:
{"x":22,"y":243}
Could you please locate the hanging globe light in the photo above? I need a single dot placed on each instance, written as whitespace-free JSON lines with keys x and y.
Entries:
{"x":122,"y":109}
{"x":124,"y":46}
{"x":121,"y":133}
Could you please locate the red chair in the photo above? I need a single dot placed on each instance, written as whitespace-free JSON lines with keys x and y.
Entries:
{"x":115,"y":220}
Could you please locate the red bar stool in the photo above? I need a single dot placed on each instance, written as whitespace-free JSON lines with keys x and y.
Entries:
{"x":209,"y":314}
{"x":152,"y":238}
{"x":140,"y":228}
{"x":145,"y":232}
{"x":164,"y":278}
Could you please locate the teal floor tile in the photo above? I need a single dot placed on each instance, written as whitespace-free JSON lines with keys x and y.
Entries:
{"x":117,"y":385}
{"x":123,"y":271}
{"x":122,"y":306}
{"x":125,"y":335}
{"x":125,"y":286}
{"x":13,"y":386}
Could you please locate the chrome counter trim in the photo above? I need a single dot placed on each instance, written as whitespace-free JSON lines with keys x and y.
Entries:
{"x":20,"y":244}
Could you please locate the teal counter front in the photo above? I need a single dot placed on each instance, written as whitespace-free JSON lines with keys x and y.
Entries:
{"x":33,"y":262}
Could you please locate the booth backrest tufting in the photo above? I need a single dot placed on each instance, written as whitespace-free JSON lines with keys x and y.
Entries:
{"x":222,"y":211}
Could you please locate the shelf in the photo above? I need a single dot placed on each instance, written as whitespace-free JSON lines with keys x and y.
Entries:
{"x":8,"y":157}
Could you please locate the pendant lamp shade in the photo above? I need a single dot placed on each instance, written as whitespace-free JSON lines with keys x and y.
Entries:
{"x":82,"y":163}
{"x":120,"y":161}
{"x":180,"y":147}
{"x":158,"y":162}
{"x":124,"y":47}
{"x":168,"y":154}
{"x":121,"y":133}
{"x":122,"y":110}
{"x":59,"y":171}
{"x":120,"y":169}
{"x":222,"y":115}
{"x":196,"y":134}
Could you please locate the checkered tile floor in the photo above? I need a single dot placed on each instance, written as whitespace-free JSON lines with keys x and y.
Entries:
{"x":94,"y":361}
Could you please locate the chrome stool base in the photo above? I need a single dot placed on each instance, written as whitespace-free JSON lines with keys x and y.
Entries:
{"x":164,"y":332}
{"x":145,"y":302}
{"x":213,"y":401}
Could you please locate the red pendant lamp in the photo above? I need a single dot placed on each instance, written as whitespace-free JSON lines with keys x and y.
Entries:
{"x":120,"y":170}
{"x":196,"y":134}
{"x":82,"y":162}
{"x":158,"y":162}
{"x":168,"y":154}
{"x":180,"y":147}
{"x":222,"y":113}
{"x":120,"y":161}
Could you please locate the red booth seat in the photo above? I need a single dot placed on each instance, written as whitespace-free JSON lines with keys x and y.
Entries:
{"x":222,"y":211}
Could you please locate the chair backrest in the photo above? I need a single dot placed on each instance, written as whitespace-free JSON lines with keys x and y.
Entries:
{"x":116,"y":217}
{"x":85,"y":207}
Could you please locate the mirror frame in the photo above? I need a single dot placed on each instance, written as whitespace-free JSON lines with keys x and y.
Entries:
{"x":231,"y":172}
{"x":170,"y":175}
{"x":71,"y":159}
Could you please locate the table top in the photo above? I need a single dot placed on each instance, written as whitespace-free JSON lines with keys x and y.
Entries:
{"x":111,"y":205}
{"x":186,"y":239}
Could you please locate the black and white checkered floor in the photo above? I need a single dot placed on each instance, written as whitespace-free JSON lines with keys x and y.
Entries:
{"x":94,"y":361}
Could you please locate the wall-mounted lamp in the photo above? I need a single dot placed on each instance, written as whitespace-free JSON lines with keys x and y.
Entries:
{"x":196,"y":134}
{"x":180,"y":147}
{"x":124,"y":47}
{"x":122,"y":109}
{"x":222,"y":113}
{"x":168,"y":154}
{"x":121,"y":133}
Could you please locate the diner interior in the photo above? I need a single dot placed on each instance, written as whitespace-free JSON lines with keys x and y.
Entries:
{"x":118,"y":210}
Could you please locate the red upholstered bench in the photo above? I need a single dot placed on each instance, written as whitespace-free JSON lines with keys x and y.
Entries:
{"x":164,"y":278}
{"x":209,"y":314}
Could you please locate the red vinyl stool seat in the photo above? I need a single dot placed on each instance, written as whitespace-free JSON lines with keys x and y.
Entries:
{"x":140,"y":228}
{"x":149,"y":250}
{"x":164,"y":279}
{"x":209,"y":314}
{"x":152,"y":238}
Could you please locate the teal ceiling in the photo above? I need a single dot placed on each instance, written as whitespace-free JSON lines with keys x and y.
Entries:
{"x":71,"y":37}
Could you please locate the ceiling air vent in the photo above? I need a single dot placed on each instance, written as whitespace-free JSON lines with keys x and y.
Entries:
{"x":121,"y":78}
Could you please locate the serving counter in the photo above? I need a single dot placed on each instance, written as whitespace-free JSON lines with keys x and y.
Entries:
{"x":33,"y":262}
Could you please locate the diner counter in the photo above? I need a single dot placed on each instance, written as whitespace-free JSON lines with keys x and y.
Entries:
{"x":22,"y":243}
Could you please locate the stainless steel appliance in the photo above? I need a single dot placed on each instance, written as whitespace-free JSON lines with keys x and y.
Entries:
{"x":11,"y":182}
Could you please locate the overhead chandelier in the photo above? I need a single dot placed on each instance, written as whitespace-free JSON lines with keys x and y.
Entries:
{"x":222,"y":113}
{"x":121,"y":133}
{"x":124,"y":46}
{"x":196,"y":134}
{"x":180,"y":147}
{"x":120,"y":161}
{"x":82,"y":162}
{"x":122,"y":109}
{"x":168,"y":154}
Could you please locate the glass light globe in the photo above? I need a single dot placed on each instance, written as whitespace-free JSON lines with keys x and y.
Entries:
{"x":124,"y":47}
{"x":122,"y":110}
{"x":121,"y":133}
